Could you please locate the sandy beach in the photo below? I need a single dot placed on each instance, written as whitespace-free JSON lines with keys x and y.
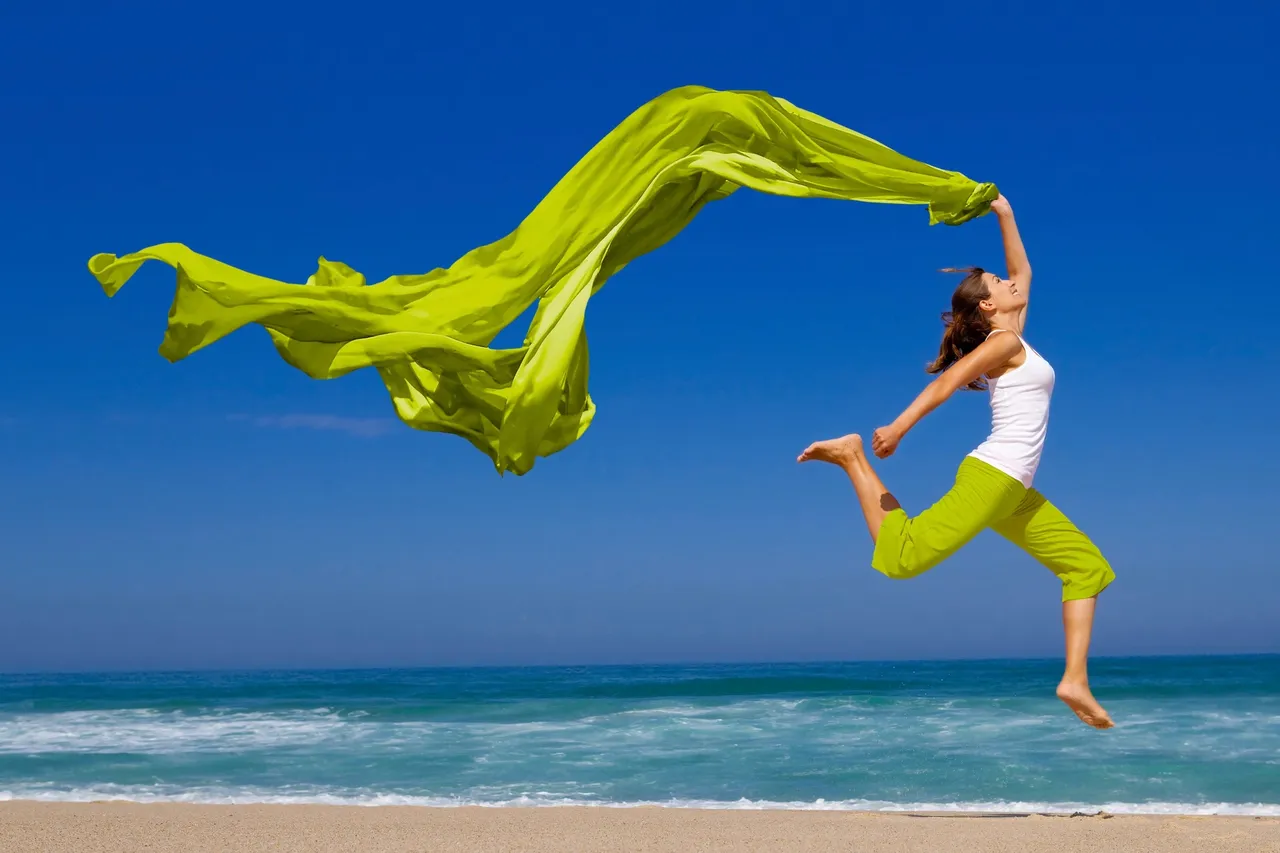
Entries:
{"x":27,"y":827}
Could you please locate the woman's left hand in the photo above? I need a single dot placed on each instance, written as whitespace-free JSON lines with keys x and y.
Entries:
{"x":1001,"y":205}
{"x":885,"y":441}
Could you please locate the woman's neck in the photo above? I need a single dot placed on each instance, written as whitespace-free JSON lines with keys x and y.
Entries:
{"x":1008,"y":323}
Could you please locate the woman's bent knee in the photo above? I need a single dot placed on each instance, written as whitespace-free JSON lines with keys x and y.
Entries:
{"x":1078,"y":585}
{"x":896,"y":554}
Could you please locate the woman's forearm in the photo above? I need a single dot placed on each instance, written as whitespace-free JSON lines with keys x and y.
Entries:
{"x":933,"y":396}
{"x":1015,"y":256}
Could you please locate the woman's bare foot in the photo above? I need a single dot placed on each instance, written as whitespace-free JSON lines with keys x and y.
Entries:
{"x":843,"y":451}
{"x":1079,"y":698}
{"x":846,"y":451}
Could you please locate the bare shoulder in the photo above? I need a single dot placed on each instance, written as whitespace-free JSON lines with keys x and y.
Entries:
{"x":992,"y":356}
{"x":1004,"y":341}
{"x":1007,"y":351}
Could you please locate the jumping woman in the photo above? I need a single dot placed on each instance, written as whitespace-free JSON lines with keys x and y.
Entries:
{"x":983,"y":349}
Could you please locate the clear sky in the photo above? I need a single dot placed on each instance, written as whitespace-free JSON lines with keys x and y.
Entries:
{"x":228,"y":511}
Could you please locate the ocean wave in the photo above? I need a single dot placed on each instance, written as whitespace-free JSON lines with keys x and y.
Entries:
{"x":848,"y":727}
{"x":151,"y":731}
{"x":251,"y":796}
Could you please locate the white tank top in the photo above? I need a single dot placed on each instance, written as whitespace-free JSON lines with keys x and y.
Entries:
{"x":1019,"y":416}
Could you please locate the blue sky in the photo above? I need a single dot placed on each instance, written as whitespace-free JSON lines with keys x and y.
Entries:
{"x":228,"y":511}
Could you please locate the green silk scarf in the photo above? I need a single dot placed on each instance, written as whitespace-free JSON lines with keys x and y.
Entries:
{"x":428,"y":334}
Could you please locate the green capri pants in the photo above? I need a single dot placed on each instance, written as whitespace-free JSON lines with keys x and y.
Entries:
{"x":984,"y":496}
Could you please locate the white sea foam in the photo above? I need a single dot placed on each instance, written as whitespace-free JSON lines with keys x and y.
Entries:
{"x":244,"y":796}
{"x":618,"y":757}
{"x":749,"y":725}
{"x":151,"y":732}
{"x":148,"y":731}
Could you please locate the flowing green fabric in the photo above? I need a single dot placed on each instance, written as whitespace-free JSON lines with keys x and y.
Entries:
{"x":428,"y":334}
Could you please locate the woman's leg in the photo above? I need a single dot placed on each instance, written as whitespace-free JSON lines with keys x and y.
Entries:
{"x":847,"y":453}
{"x":906,"y":547}
{"x":1040,"y":529}
{"x":1077,"y":623}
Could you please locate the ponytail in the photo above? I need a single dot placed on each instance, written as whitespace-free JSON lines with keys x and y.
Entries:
{"x":965,"y":326}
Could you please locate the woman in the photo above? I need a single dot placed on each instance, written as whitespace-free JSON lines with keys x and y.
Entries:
{"x":983,"y":348}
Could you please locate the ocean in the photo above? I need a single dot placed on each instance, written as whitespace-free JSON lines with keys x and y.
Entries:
{"x":1196,"y":735}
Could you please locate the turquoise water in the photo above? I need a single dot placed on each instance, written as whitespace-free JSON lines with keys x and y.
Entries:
{"x":1194,"y":735}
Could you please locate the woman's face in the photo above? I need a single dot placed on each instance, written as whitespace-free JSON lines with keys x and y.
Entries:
{"x":1004,"y":294}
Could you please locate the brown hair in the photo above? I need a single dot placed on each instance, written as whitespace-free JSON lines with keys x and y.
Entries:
{"x":966,"y":328}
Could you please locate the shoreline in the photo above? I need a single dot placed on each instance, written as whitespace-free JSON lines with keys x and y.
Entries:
{"x":959,"y":810}
{"x":119,"y":827}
